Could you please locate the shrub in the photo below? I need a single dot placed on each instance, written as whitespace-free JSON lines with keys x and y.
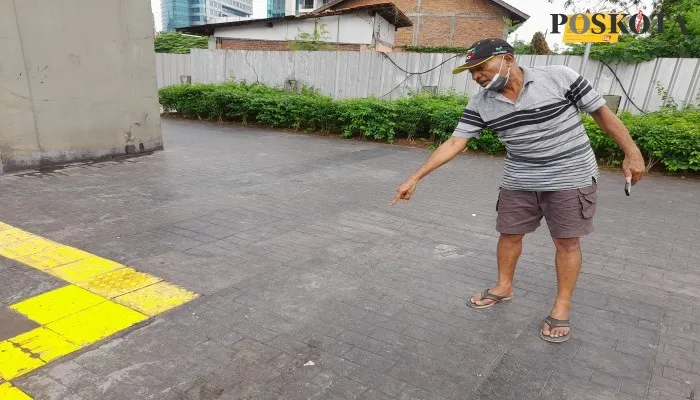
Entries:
{"x":488,"y":142}
{"x":669,"y":136}
{"x":443,"y":117}
{"x":368,"y":117}
{"x":429,"y":116}
{"x":189,"y":100}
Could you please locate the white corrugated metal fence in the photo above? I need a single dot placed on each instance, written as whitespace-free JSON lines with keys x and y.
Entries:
{"x":363,"y":74}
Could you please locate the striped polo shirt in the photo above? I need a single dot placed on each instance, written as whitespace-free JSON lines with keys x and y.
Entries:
{"x":546,"y":143}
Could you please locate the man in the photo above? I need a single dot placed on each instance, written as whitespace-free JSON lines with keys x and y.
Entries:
{"x":550,"y":169}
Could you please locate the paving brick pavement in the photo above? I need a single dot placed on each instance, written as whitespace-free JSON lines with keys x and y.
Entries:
{"x":313,"y":288}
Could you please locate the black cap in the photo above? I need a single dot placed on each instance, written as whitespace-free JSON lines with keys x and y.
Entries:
{"x":482,"y":51}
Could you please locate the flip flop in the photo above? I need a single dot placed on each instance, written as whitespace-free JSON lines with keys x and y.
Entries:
{"x":556,"y":323}
{"x":486,"y":295}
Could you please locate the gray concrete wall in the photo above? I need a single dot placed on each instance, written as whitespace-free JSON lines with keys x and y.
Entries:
{"x":77,"y":81}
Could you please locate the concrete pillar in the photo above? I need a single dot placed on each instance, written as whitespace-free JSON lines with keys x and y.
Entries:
{"x":77,"y":81}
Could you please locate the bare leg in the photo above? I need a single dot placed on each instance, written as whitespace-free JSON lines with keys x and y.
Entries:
{"x":568,"y":262}
{"x":509,"y":249}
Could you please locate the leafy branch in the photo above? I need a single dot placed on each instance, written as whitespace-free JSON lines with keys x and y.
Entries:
{"x":178,"y":43}
{"x":318,"y":40}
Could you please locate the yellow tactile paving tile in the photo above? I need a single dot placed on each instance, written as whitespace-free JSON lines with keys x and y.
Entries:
{"x":9,"y":392}
{"x":85,"y":269}
{"x":119,"y":282}
{"x":27,"y":247}
{"x":55,"y":257}
{"x":56,"y":304}
{"x":14,"y":235}
{"x":96,"y":323}
{"x":31,"y":350}
{"x":104,"y":298}
{"x":14,"y":362}
{"x":43,"y":343}
{"x":155,"y":299}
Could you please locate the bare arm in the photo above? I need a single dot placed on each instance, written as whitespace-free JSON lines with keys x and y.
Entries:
{"x":443,"y":154}
{"x":633,"y":165}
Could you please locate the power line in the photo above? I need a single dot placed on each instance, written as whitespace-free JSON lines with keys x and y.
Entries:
{"x":397,"y":86}
{"x":420,"y":73}
{"x":629,"y":98}
{"x":410,"y":74}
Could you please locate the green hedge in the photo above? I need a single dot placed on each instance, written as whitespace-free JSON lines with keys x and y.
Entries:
{"x":671,"y":137}
{"x":428,"y":116}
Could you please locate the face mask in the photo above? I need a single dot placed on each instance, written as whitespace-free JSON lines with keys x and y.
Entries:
{"x":498,"y":81}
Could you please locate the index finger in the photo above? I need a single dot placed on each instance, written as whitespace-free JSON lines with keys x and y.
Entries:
{"x":395,"y":199}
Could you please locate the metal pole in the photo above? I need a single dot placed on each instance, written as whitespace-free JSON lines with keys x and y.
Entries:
{"x":586,"y":53}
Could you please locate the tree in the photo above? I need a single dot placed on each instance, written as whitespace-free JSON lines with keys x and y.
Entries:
{"x":521,"y":47}
{"x":175,"y":42}
{"x":539,"y":44}
{"x":318,"y":40}
{"x":512,"y":27}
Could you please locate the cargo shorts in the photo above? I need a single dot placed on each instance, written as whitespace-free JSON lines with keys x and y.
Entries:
{"x":568,"y":213}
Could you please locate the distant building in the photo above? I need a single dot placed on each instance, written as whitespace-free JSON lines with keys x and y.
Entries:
{"x":183,"y":13}
{"x":443,"y":22}
{"x":276,"y":8}
{"x":281,"y":8}
{"x":433,"y":22}
{"x":363,"y":28}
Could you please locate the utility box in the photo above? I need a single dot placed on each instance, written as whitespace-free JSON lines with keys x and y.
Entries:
{"x":613,"y":102}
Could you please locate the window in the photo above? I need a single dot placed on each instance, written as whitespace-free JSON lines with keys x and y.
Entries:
{"x":306,"y":3}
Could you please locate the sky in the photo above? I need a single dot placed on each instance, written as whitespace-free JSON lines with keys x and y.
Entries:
{"x":538,"y":10}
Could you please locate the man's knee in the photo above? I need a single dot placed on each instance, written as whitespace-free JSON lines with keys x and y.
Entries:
{"x":567,"y":244}
{"x":512,"y":239}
